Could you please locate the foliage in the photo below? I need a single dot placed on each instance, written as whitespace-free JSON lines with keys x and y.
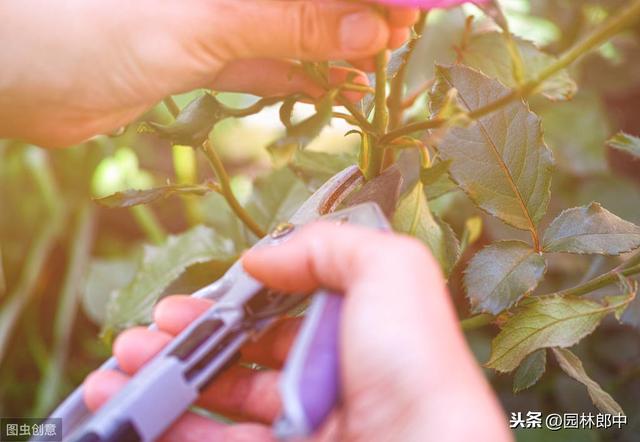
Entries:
{"x":538,"y":252}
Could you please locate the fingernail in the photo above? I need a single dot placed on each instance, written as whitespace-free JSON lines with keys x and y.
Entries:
{"x":360,"y":31}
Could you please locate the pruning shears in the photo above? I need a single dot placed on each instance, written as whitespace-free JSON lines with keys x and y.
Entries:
{"x":171,"y":382}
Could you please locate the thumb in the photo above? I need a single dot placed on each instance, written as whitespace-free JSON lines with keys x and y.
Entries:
{"x":302,"y":29}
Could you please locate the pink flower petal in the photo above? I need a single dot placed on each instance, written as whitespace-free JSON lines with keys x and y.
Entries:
{"x":424,"y":4}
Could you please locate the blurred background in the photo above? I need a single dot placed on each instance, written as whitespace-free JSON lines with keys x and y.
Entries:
{"x":64,"y":259}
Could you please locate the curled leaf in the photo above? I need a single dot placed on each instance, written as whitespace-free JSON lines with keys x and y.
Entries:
{"x":300,"y":135}
{"x":193,"y":123}
{"x":133,"y":197}
{"x":572,"y":365}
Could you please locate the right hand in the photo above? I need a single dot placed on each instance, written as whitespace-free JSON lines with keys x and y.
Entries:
{"x":407,"y":373}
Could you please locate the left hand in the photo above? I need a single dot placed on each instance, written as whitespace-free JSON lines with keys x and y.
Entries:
{"x":76,"y":68}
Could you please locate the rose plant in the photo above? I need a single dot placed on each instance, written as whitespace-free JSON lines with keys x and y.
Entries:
{"x":482,"y":137}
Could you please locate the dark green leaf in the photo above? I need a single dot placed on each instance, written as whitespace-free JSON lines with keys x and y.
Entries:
{"x":488,"y":52}
{"x":530,"y":371}
{"x":626,"y":143}
{"x":572,"y":365}
{"x":548,"y":322}
{"x":314,"y":168}
{"x":275,"y":197}
{"x":501,"y":274}
{"x":193,"y":124}
{"x":159,"y":267}
{"x":133,"y":197}
{"x":298,"y":136}
{"x":591,"y":229}
{"x":501,"y":161}
{"x":414,"y":217}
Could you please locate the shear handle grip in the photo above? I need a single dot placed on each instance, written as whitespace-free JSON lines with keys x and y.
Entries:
{"x":310,"y":385}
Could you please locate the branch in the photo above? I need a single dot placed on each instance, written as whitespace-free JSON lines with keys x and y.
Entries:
{"x":396,"y":93}
{"x":604,"y":280}
{"x":610,"y":28}
{"x":227,"y":192}
{"x":380,"y":117}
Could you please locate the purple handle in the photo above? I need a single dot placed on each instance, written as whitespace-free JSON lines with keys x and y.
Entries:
{"x":310,"y":385}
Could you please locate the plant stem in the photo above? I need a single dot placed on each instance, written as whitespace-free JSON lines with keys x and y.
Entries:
{"x":610,"y":28}
{"x":396,"y":93}
{"x":476,"y":321}
{"x":599,"y":282}
{"x":185,"y":167}
{"x":227,"y":192}
{"x":149,"y":224}
{"x":380,"y":117}
{"x":51,"y":384}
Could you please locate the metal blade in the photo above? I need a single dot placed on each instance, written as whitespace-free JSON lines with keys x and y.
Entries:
{"x":383,"y":190}
{"x":328,"y":197}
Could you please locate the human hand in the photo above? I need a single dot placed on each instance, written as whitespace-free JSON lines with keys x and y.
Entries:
{"x":78,"y":68}
{"x":407,"y":374}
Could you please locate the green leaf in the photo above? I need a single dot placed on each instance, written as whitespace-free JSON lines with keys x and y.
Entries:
{"x":501,"y":161}
{"x":501,"y":274}
{"x":591,"y":229}
{"x":133,"y":197}
{"x":193,"y":124}
{"x":548,"y":322}
{"x":298,"y":136}
{"x":488,"y":52}
{"x":276,"y":197}
{"x":104,"y":277}
{"x":626,"y":143}
{"x":160,"y":266}
{"x":414,"y":217}
{"x":572,"y":365}
{"x":530,"y":371}
{"x":314,"y":168}
{"x":436,"y":180}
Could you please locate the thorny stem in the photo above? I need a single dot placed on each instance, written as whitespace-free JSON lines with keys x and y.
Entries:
{"x":227,"y":192}
{"x":610,"y":28}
